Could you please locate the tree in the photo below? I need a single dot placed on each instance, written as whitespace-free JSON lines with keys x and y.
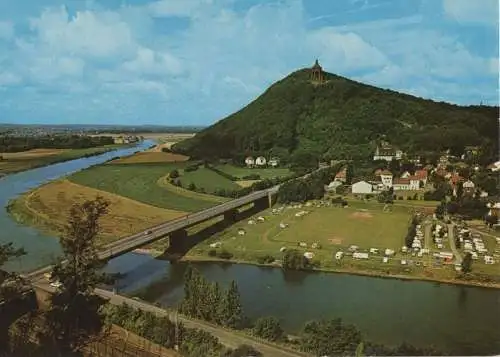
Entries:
{"x":74,"y":315}
{"x":467,"y":263}
{"x":330,"y":337}
{"x":174,"y":174}
{"x":460,"y":190}
{"x":10,"y":286}
{"x":10,"y":283}
{"x":268,"y":328}
{"x":294,"y":260}
{"x":490,"y":220}
{"x":232,"y":313}
{"x":242,"y":351}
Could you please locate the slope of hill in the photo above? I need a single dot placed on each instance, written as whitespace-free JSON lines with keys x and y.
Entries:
{"x":342,"y":119}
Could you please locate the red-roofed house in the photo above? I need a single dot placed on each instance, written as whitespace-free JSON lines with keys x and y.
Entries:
{"x":422,"y":175}
{"x":414,"y":182}
{"x":400,"y":184}
{"x":341,"y":175}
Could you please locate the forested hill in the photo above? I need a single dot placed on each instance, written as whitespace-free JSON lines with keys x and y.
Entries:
{"x":342,"y":119}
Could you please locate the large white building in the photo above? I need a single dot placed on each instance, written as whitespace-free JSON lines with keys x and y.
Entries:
{"x":362,"y":188}
{"x":386,"y":152}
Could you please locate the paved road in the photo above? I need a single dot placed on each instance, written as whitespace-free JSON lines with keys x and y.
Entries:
{"x":227,"y":337}
{"x":451,"y":240}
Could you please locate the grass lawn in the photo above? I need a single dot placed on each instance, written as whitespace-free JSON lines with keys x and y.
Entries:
{"x":47,"y":208}
{"x":265,"y":173}
{"x":20,"y":161}
{"x":332,"y":227}
{"x":140,"y":182}
{"x":208,"y":180}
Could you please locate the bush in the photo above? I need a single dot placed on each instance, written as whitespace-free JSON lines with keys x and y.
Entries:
{"x":212,"y":253}
{"x":265,"y":259}
{"x":173,"y":174}
{"x":252,"y":177}
{"x":224,"y":254}
{"x":190,"y":168}
{"x":268,"y":328}
{"x":191,"y":187}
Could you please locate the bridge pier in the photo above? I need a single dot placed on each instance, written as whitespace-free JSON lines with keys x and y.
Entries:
{"x":177,"y":239}
{"x":231,"y":215}
{"x":263,"y":203}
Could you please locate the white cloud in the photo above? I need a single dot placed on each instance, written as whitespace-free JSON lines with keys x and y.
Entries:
{"x":181,"y":8}
{"x":86,"y":34}
{"x":150,"y":62}
{"x":7,"y":79}
{"x":6,"y":30}
{"x":345,"y":51}
{"x":472,"y":11}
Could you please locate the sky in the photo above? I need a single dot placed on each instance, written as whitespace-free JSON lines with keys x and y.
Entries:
{"x":193,"y":62}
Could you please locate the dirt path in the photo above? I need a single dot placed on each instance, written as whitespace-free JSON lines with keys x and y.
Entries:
{"x":453,"y":246}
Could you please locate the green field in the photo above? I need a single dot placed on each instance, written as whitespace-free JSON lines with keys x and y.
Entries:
{"x":207,"y":179}
{"x":333,"y":228}
{"x":17,"y":162}
{"x":265,"y":173}
{"x":141,"y":182}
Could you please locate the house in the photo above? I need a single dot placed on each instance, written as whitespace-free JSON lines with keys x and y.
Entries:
{"x":401,"y":184}
{"x":341,"y":175}
{"x":405,"y":174}
{"x":422,"y":175}
{"x":249,"y":161}
{"x":414,"y":183}
{"x":362,"y":188}
{"x":469,"y":187}
{"x":274,"y":162}
{"x":494,"y":209}
{"x":387,"y":152}
{"x":494,"y":167}
{"x":386,"y":178}
{"x":332,"y":186}
{"x":260,"y":161}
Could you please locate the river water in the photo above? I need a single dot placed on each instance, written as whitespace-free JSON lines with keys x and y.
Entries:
{"x":457,"y":319}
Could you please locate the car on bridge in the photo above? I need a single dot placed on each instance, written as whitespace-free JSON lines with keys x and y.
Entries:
{"x":148,"y":232}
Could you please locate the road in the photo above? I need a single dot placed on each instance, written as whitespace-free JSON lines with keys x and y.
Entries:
{"x":227,"y":337}
{"x":453,"y":246}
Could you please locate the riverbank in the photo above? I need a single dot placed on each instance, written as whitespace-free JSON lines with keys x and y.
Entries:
{"x":344,"y":271}
{"x":21,"y":161}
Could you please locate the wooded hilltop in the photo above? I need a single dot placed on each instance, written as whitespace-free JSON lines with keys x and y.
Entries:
{"x":343,"y":119}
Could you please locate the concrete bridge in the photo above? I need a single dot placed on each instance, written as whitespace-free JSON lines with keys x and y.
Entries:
{"x":176,"y":228}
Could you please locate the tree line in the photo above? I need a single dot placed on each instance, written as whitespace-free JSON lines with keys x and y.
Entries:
{"x":23,"y":143}
{"x":309,"y":187}
{"x":206,"y":301}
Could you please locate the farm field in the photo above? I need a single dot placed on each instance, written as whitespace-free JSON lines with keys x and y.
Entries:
{"x":20,"y":161}
{"x":207,"y":179}
{"x":264,"y":173}
{"x":141,"y":182}
{"x":48,"y":206}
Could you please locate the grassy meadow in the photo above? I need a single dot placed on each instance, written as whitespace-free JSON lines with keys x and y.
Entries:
{"x":140,"y":182}
{"x":47,"y":208}
{"x":207,"y":179}
{"x":264,"y":173}
{"x":21,"y":161}
{"x":333,"y":228}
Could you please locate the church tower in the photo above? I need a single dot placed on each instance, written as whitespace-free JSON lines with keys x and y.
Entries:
{"x":317,"y":73}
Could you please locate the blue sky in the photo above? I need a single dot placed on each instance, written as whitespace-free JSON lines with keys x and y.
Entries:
{"x":192,"y":62}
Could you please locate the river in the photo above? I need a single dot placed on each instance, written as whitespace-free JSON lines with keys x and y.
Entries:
{"x":458,"y":319}
{"x":42,"y":249}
